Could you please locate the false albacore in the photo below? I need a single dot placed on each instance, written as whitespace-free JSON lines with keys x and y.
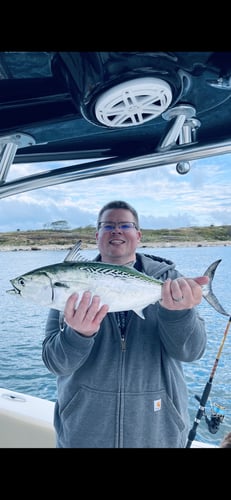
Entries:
{"x":121,"y":287}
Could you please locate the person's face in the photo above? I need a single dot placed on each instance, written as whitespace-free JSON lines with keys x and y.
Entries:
{"x":117,"y":245}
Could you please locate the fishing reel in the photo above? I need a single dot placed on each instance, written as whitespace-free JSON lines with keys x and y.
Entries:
{"x":216,"y":418}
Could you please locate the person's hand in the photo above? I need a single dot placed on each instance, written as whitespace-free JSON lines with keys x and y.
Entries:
{"x":182,"y":293}
{"x":86,"y":318}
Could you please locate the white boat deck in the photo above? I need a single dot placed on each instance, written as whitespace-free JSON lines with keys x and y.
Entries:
{"x":25,"y":421}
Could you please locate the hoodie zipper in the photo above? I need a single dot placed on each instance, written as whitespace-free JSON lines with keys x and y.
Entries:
{"x":123,"y":343}
{"x":121,"y":322}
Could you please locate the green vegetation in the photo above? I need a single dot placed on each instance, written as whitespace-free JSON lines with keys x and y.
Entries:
{"x":210,"y":233}
{"x":68,"y":237}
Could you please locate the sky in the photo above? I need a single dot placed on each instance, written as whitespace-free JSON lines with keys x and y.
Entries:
{"x":163,"y":198}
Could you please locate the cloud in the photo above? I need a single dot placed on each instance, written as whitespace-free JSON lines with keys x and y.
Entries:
{"x":162,"y":197}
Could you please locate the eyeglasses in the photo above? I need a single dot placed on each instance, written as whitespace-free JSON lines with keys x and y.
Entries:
{"x":110,"y":226}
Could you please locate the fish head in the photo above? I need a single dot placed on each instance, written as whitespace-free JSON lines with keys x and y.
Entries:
{"x":35,"y":287}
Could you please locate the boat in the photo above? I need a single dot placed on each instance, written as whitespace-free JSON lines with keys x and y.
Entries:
{"x":81,"y":115}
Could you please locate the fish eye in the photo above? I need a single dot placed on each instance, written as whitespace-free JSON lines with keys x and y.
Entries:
{"x":21,"y":281}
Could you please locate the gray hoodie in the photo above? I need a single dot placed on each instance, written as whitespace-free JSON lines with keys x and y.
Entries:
{"x":125,"y":391}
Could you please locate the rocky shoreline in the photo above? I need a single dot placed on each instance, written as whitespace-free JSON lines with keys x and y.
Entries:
{"x":154,"y":244}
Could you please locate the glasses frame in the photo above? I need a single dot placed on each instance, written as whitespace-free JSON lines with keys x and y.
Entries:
{"x":113,"y":225}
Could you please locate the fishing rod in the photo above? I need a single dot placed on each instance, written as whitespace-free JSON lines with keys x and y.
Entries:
{"x":217,"y":415}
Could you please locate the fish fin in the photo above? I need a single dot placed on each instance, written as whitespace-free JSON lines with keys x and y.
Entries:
{"x":208,"y":293}
{"x":60,"y":284}
{"x":139,"y":313}
{"x":74,"y":254}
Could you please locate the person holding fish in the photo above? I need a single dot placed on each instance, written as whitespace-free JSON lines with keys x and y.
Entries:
{"x":116,"y":351}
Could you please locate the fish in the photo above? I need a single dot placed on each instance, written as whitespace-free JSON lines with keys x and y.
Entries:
{"x":123,"y":288}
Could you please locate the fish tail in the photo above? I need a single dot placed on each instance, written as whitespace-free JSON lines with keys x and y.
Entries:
{"x":208,"y":293}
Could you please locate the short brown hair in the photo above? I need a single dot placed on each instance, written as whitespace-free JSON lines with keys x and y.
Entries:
{"x":119,"y":204}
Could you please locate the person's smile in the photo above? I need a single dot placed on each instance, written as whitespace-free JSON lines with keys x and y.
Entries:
{"x":116,"y":241}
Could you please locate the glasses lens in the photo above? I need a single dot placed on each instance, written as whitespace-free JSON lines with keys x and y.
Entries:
{"x":125,"y":226}
{"x":107,"y":227}
{"x":110,"y":226}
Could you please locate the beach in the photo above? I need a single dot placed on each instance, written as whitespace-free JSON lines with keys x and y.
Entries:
{"x":89,"y":246}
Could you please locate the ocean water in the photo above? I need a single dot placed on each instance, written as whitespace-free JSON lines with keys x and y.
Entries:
{"x":23,"y":325}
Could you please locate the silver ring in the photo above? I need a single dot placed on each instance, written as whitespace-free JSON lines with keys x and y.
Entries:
{"x":178,"y":300}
